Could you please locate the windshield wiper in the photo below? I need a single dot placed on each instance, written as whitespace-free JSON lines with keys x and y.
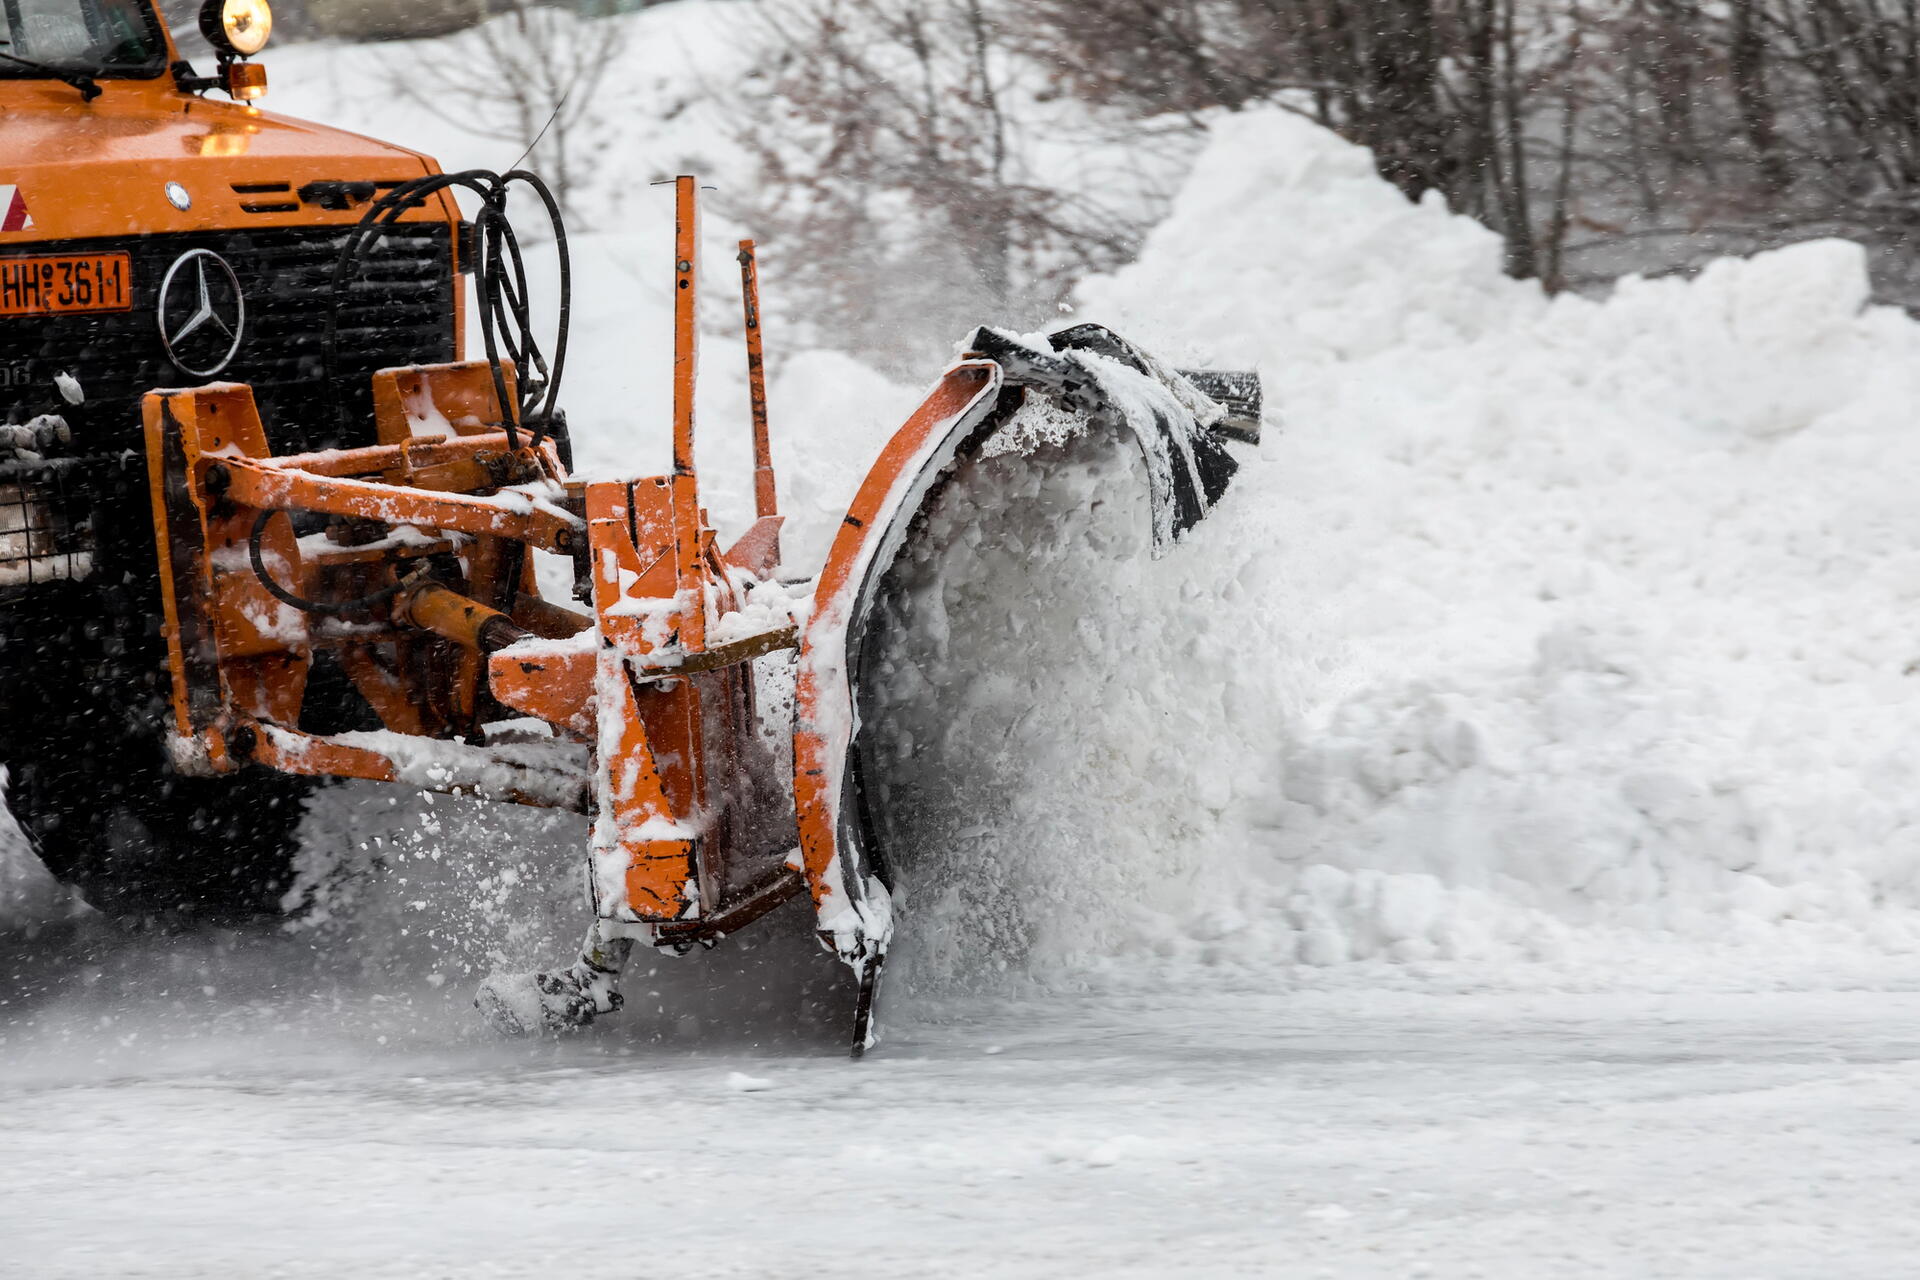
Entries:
{"x":89,"y":87}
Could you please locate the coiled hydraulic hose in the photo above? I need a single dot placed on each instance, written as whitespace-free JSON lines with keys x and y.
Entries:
{"x":500,"y":275}
{"x":506,"y":331}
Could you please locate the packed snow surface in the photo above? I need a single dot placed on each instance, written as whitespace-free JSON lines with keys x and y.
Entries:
{"x":1566,"y":631}
{"x":1358,"y":1134}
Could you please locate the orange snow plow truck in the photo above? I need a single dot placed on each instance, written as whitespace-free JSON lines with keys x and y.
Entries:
{"x":262,"y":525}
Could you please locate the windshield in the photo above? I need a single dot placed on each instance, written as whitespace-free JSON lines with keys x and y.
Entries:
{"x":101,"y":37}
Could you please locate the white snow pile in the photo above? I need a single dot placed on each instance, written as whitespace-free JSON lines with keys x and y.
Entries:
{"x":1536,"y":623}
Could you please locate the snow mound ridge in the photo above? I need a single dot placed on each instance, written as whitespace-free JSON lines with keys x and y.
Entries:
{"x":1538,"y":620}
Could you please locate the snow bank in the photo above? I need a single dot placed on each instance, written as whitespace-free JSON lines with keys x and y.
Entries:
{"x":1538,"y":621}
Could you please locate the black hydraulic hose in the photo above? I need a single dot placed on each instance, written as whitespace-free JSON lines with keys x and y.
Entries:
{"x":541,"y":415}
{"x":505,"y":304}
{"x":284,"y":596}
{"x":504,"y":298}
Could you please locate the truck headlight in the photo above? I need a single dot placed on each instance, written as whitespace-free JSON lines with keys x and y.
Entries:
{"x":238,"y":27}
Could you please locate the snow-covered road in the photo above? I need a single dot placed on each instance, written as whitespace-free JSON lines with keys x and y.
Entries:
{"x":290,"y":1125}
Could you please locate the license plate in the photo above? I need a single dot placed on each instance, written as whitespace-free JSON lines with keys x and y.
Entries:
{"x":57,"y":286}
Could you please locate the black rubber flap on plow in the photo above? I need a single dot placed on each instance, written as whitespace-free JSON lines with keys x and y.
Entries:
{"x":1188,"y":468}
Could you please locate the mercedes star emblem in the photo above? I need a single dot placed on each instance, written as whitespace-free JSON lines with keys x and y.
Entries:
{"x":202,"y":313}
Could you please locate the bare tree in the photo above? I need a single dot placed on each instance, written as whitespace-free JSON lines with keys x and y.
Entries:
{"x":1596,"y":136}
{"x":1439,"y":90}
{"x":895,"y":144}
{"x":527,"y":78}
{"x":1859,"y":63}
{"x":1747,"y":59}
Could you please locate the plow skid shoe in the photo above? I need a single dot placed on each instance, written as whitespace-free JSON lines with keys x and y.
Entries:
{"x":525,"y":1004}
{"x":1085,"y":381}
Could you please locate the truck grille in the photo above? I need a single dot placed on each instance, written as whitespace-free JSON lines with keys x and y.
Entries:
{"x":40,"y":541}
{"x":397,"y":309}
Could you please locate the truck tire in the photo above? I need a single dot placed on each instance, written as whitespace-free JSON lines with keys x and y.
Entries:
{"x":145,"y":844}
{"x":82,"y":737}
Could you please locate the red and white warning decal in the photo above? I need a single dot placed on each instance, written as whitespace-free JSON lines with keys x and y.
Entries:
{"x":13,"y":209}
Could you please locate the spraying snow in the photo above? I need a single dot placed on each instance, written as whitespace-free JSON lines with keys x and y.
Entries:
{"x":1535,"y":615}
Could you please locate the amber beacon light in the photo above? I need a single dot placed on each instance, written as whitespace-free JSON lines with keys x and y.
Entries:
{"x":246,"y":81}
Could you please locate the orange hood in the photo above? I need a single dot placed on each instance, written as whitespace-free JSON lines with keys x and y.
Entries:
{"x":78,"y":170}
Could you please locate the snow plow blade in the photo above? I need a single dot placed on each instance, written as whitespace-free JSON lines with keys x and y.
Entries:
{"x":1091,"y":378}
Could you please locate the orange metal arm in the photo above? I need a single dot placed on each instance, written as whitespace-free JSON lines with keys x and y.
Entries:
{"x":265,"y":485}
{"x":765,"y":495}
{"x":411,"y":455}
{"x":686,"y":359}
{"x":686,"y":329}
{"x":491,"y":777}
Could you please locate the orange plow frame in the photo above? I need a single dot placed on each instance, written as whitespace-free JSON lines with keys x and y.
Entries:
{"x":452,"y":646}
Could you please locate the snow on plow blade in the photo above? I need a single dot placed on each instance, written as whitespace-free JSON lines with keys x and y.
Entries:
{"x":1086,"y":379}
